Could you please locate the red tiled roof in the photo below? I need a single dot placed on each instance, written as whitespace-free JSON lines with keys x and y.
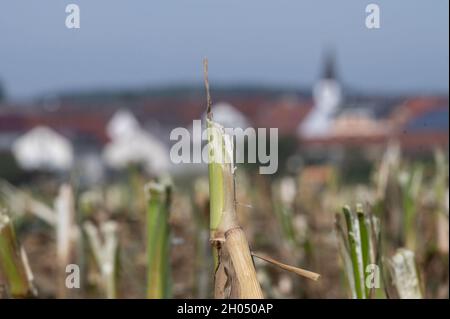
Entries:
{"x":285,"y":115}
{"x":423,"y":141}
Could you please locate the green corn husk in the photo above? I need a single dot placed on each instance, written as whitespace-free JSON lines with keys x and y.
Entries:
{"x":13,"y":263}
{"x":235,"y":275}
{"x":158,"y":241}
{"x":217,"y":162}
{"x":216,"y":167}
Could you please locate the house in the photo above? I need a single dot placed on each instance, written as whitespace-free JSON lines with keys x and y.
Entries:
{"x":339,"y":120}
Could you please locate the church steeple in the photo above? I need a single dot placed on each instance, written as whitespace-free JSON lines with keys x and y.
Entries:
{"x":327,"y":99}
{"x":329,"y":68}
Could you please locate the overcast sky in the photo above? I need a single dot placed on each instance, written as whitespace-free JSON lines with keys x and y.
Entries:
{"x":135,"y":44}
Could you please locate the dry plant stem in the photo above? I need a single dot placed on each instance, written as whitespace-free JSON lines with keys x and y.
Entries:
{"x":208,"y":95}
{"x":235,"y":274}
{"x":242,"y":263}
{"x":65,"y":211}
{"x":105,"y":253}
{"x":441,"y":199}
{"x":203,"y":263}
{"x":21,"y":202}
{"x":345,"y":255}
{"x":13,"y":262}
{"x":404,"y":274}
{"x":301,"y":272}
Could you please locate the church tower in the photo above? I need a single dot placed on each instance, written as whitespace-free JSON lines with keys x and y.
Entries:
{"x":327,"y":97}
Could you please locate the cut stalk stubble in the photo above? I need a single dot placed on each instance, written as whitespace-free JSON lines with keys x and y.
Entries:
{"x":235,"y":274}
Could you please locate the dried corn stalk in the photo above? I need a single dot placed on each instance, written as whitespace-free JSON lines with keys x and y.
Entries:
{"x":105,"y":248}
{"x":21,"y":202}
{"x":235,"y":272}
{"x":65,"y":228}
{"x":404,"y":274}
{"x":235,"y":275}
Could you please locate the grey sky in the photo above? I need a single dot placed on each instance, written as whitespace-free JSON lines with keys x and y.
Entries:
{"x":151,"y":43}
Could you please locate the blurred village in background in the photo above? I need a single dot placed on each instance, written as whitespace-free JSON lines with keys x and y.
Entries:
{"x":327,"y":124}
{"x":336,"y":147}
